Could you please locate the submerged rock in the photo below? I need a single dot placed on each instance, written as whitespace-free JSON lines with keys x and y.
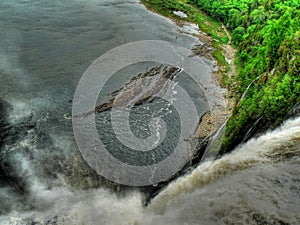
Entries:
{"x":142,"y":88}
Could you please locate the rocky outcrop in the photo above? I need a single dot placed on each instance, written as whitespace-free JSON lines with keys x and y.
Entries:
{"x":140,"y":90}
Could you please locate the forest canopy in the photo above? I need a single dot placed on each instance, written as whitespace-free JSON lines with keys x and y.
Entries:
{"x":266,"y":34}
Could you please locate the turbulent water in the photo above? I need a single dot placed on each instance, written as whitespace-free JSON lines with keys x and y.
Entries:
{"x":256,"y":184}
{"x":45,"y":47}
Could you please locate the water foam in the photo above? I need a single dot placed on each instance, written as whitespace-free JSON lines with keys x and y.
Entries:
{"x":253,"y":152}
{"x":248,"y":186}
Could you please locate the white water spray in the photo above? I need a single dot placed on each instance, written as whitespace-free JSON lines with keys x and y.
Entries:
{"x":249,"y":186}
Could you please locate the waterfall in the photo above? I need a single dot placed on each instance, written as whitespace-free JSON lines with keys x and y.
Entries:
{"x":248,"y":87}
{"x":256,"y":183}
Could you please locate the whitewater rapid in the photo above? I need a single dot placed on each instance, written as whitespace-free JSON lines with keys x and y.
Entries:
{"x":258,"y":183}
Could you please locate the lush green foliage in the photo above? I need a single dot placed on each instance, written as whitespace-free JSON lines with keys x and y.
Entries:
{"x":266,"y":33}
{"x":206,"y":23}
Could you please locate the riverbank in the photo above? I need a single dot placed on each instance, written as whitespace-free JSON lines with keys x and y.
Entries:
{"x":216,"y":47}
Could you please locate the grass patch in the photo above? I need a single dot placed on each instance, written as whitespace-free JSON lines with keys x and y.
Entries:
{"x":218,"y":55}
{"x":206,"y":24}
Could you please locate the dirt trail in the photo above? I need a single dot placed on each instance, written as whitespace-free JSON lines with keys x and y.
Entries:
{"x":229,"y":52}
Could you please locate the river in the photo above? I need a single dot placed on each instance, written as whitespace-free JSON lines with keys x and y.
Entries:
{"x":45,"y":48}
